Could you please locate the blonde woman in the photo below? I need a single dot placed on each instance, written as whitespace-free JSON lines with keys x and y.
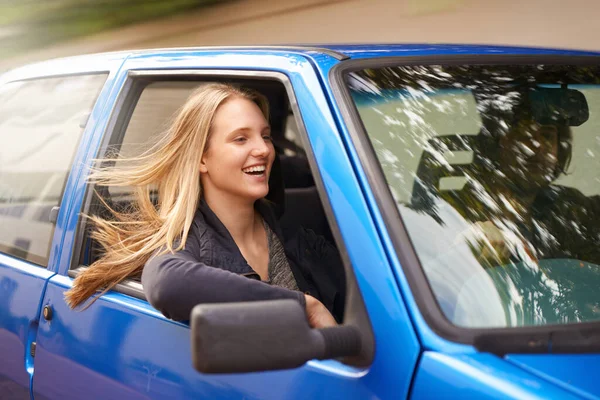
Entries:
{"x":212,"y":237}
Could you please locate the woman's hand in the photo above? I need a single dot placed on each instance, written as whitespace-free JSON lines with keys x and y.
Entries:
{"x":318,"y":315}
{"x":496,"y":247}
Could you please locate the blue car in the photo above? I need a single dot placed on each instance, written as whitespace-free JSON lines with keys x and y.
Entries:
{"x":460,"y":185}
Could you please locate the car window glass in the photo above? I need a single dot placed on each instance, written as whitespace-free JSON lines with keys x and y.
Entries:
{"x":41,"y":122}
{"x":495,"y":172}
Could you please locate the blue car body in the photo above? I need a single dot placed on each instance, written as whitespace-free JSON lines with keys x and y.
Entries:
{"x":121,"y":347}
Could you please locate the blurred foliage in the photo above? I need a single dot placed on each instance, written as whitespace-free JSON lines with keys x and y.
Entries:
{"x":30,"y":24}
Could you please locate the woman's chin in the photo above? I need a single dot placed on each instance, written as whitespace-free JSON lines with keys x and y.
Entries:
{"x":257,"y":194}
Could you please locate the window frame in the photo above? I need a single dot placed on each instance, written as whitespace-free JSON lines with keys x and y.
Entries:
{"x":125,"y":104}
{"x":567,"y":338}
{"x":56,"y":209}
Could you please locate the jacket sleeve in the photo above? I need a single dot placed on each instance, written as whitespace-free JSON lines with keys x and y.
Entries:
{"x":175,"y":283}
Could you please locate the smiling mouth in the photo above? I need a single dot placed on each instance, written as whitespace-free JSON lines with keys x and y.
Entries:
{"x":255,"y":170}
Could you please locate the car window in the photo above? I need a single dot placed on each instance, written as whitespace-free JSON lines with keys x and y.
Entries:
{"x":495,"y":171}
{"x":41,"y":122}
{"x":156,"y":106}
{"x":154,"y":110}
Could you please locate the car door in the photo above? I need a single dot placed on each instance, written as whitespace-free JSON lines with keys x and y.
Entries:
{"x":40,"y":127}
{"x":121,"y":347}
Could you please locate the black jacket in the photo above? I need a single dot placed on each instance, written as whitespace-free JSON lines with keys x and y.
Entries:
{"x":211,"y":269}
{"x":566,"y":224}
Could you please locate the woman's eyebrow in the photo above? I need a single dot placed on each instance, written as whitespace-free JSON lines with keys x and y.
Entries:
{"x":245,"y":129}
{"x":238,"y":131}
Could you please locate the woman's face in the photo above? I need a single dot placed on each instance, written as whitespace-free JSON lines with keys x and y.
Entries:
{"x":529,"y":153}
{"x":240,"y":153}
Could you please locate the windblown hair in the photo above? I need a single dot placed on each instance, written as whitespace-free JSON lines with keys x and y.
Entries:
{"x":172,"y":165}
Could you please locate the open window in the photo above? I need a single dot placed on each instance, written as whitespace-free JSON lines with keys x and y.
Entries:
{"x":149,"y":102}
{"x":145,"y":112}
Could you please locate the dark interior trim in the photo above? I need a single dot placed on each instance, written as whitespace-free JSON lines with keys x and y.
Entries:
{"x":496,"y":340}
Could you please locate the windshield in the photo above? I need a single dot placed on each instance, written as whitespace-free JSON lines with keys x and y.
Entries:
{"x":496,"y":174}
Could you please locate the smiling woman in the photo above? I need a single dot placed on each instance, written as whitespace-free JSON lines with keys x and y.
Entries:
{"x":235,"y":167}
{"x":212,"y":227}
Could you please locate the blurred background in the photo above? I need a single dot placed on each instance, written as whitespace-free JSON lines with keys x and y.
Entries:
{"x":33,"y":30}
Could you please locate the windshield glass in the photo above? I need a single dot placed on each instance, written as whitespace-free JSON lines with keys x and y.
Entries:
{"x":496,"y":173}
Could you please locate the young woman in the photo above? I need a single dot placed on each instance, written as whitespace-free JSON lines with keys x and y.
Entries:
{"x":212,"y":237}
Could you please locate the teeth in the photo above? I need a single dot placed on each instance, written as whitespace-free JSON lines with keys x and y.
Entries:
{"x":259,"y":168}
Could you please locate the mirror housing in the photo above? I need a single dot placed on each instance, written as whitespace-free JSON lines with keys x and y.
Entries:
{"x":263,"y":336}
{"x":550,"y":105}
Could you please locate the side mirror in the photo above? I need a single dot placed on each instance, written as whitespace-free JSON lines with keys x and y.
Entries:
{"x":262,"y":336}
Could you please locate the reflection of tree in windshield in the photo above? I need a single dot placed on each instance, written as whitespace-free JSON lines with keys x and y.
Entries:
{"x":556,"y":291}
{"x":517,"y":140}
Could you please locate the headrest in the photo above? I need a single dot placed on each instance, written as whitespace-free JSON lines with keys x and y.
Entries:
{"x":276,"y":193}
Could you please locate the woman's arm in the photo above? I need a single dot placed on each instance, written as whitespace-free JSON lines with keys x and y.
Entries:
{"x":175,"y":283}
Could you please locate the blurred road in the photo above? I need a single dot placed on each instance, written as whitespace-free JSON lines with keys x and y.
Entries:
{"x":546,"y":23}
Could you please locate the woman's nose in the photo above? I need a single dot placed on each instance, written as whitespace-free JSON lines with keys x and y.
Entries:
{"x":260,"y":148}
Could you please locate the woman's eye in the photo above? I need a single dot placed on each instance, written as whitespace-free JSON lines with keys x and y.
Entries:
{"x":240,"y":139}
{"x":267,"y":137}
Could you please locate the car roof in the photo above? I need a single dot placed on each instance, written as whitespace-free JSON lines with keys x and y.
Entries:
{"x":345,"y":51}
{"x":103,"y":61}
{"x":416,"y":49}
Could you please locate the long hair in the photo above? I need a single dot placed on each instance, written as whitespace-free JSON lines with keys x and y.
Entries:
{"x":131,"y":236}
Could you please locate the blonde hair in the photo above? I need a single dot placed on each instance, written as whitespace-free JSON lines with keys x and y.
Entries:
{"x":131,"y":237}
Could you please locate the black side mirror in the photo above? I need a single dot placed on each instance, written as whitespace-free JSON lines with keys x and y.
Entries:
{"x":262,"y":336}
